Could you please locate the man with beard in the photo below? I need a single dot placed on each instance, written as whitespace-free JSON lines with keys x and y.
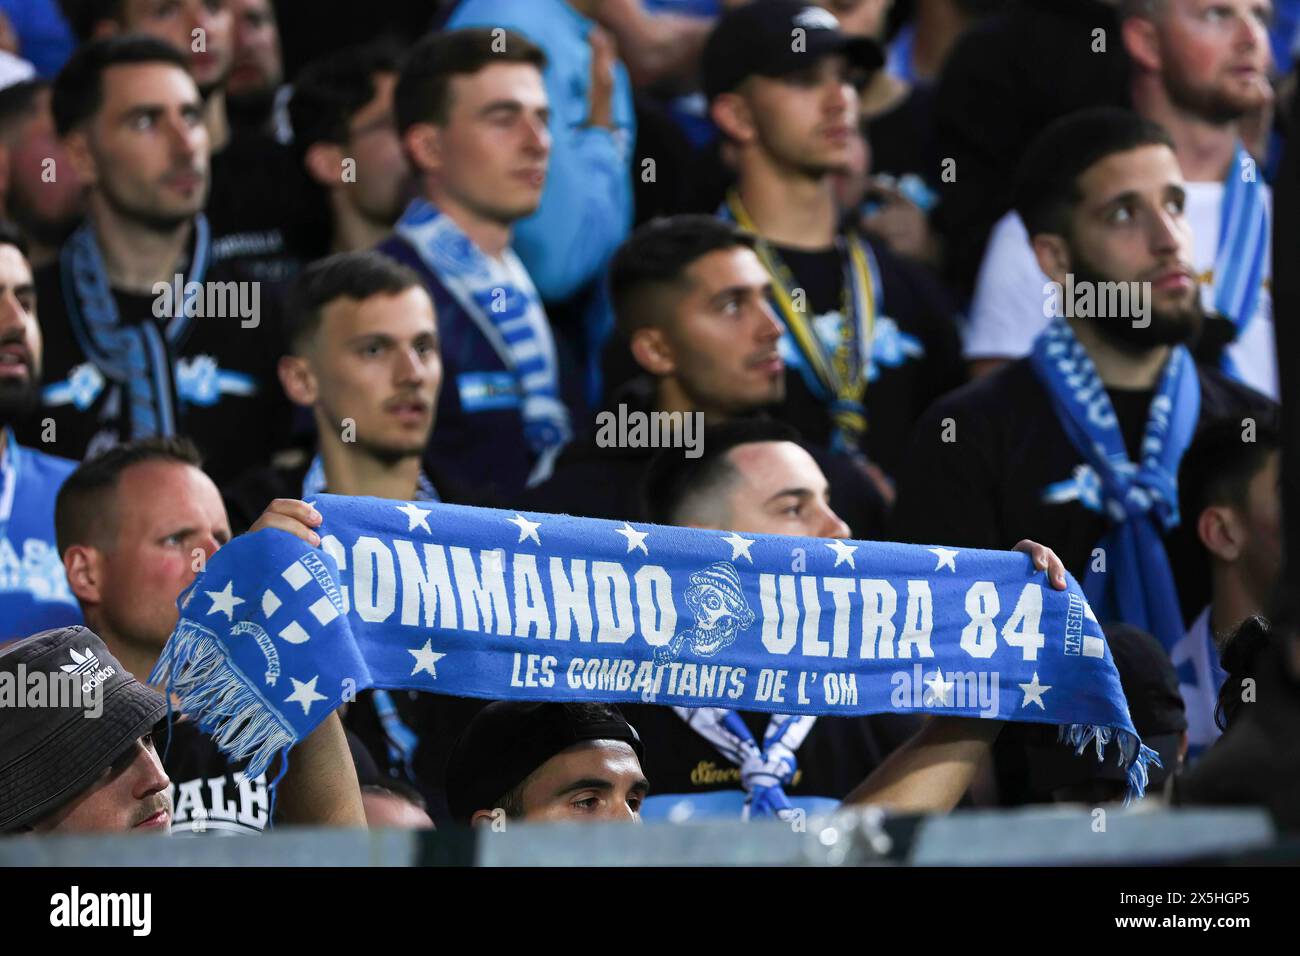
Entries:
{"x":145,"y":335}
{"x":1199,"y":68}
{"x":256,"y":187}
{"x":345,"y":136}
{"x":34,"y":593}
{"x":868,"y":335}
{"x":45,"y":209}
{"x":1079,"y":444}
{"x":254,"y":93}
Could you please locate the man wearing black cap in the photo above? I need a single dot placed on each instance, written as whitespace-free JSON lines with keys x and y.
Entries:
{"x":547,"y":762}
{"x":869,"y":334}
{"x":68,"y":767}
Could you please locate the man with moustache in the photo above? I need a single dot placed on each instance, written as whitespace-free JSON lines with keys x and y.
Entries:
{"x":255,"y":194}
{"x":34,"y":593}
{"x":869,"y":336}
{"x":128,"y":357}
{"x":1079,"y":444}
{"x":1199,"y":68}
{"x":472,"y":113}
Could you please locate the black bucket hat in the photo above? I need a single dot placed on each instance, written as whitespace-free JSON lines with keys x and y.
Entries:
{"x":90,"y":712}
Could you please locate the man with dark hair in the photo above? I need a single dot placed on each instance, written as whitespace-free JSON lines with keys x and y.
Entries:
{"x":472,"y":113}
{"x":869,"y":335}
{"x":753,"y":478}
{"x":88,"y":764}
{"x":34,"y":593}
{"x":1229,"y":486}
{"x":546,"y":762}
{"x":364,"y":359}
{"x":146,"y":333}
{"x":39,"y":189}
{"x":345,"y":135}
{"x":255,"y":184}
{"x":1079,"y":444}
{"x":1198,"y":68}
{"x":396,"y":806}
{"x":691,"y":311}
{"x":585,"y":210}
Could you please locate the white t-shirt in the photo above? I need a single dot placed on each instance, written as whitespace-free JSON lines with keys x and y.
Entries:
{"x":1007,"y":310}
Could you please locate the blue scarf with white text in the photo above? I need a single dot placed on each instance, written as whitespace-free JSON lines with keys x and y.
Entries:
{"x":476,"y":602}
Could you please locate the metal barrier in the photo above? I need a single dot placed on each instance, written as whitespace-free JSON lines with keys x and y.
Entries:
{"x":1048,"y":835}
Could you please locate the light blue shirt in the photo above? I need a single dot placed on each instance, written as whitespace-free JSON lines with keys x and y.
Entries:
{"x":586,"y":208}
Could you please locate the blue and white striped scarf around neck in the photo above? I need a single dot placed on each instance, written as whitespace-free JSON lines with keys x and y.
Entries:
{"x":134,"y":356}
{"x":1134,"y":583}
{"x":500,"y":298}
{"x":475,"y":602}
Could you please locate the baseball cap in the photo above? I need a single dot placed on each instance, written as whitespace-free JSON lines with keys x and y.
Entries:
{"x":760,"y":38}
{"x":1150,"y":684}
{"x":49,"y":753}
{"x":507,"y":740}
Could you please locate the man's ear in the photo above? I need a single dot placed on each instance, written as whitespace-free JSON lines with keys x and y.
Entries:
{"x":653,"y":352}
{"x":84,"y":567}
{"x":324,"y":163}
{"x":1053,"y":255}
{"x":1141,"y":43}
{"x":1221,"y":533}
{"x":423,"y":145}
{"x":77,"y":144}
{"x":482,"y":818}
{"x":298,"y":380}
{"x":734,"y":117}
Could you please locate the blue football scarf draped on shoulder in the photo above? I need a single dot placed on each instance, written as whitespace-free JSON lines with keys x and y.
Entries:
{"x":499,"y":297}
{"x":1243,"y":249}
{"x":1135,"y":583}
{"x":475,"y":602}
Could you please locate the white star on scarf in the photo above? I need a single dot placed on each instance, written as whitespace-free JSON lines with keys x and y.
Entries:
{"x":635,"y":539}
{"x":416,"y":517}
{"x":739,"y":546}
{"x":304,"y":693}
{"x":425,"y":659}
{"x":945,"y":557}
{"x":527,"y":529}
{"x":224,"y":601}
{"x":843,"y":552}
{"x":1034,"y":692}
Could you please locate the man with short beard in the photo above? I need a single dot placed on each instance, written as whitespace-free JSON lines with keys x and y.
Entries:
{"x":254,"y":92}
{"x":255,"y":187}
{"x":129,"y":357}
{"x":1199,"y":68}
{"x":34,"y":593}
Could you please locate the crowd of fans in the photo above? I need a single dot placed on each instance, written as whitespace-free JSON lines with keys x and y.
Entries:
{"x":251,"y":251}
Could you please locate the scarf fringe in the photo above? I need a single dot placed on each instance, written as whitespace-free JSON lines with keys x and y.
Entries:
{"x":1135,"y":756}
{"x":239,"y":719}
